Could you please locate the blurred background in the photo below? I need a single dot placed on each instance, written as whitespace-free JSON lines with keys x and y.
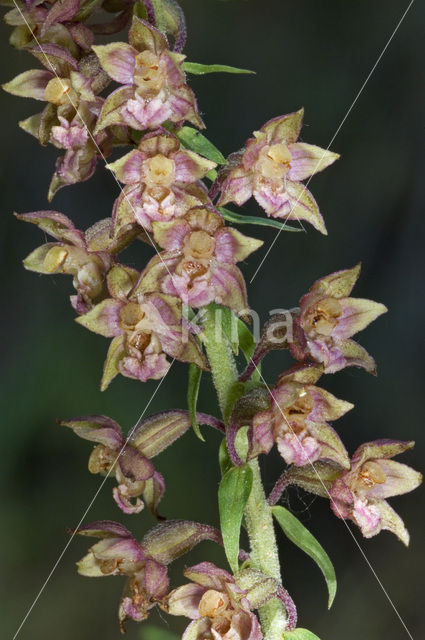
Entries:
{"x":311,"y":53}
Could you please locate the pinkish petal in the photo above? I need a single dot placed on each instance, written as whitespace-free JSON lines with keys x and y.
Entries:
{"x":30,"y":84}
{"x":326,"y":406}
{"x":298,"y":450}
{"x":127,"y":504}
{"x":331,"y":446}
{"x":118,"y":60}
{"x":241,"y":245}
{"x":142,"y":114}
{"x":196,"y":293}
{"x":55,"y":224}
{"x":152,"y":367}
{"x":191,"y":167}
{"x":104,"y":318}
{"x":171,"y":235}
{"x":104,"y":529}
{"x":399,"y":479}
{"x":208,"y":575}
{"x":113,"y":108}
{"x":69,"y":136}
{"x":155,"y":577}
{"x":307,"y":160}
{"x":127,"y":169}
{"x":304,"y":206}
{"x":184,"y":601}
{"x":357,"y":314}
{"x":367,"y":517}
{"x":134,"y":465}
{"x":273,"y":199}
{"x":237,"y":187}
{"x":97,"y":429}
{"x":229,"y":286}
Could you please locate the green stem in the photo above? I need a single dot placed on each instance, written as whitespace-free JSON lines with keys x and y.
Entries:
{"x":258,"y":515}
{"x":223,"y":367}
{"x":264,"y":553}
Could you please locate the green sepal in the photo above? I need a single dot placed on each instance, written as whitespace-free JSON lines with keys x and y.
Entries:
{"x":195,"y":374}
{"x":302,"y":538}
{"x":192,"y":139}
{"x":201,"y":69}
{"x":238,"y":218}
{"x":233,"y":493}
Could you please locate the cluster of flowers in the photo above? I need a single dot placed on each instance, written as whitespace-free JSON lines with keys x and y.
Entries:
{"x":295,"y":414}
{"x":164,"y":201}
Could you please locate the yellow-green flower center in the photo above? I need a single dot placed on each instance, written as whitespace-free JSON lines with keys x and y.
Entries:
{"x":147,"y":74}
{"x":274,"y":161}
{"x":324,"y":316}
{"x":159,"y":171}
{"x":213,"y":603}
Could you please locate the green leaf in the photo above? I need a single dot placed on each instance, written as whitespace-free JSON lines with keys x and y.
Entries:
{"x":201,"y":69}
{"x":224,"y":458}
{"x":149,"y":632}
{"x":192,"y":139}
{"x":300,"y":536}
{"x":233,"y":494}
{"x":238,"y":218}
{"x":300,"y":634}
{"x":195,"y":374}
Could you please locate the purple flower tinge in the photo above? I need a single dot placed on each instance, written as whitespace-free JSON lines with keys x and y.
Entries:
{"x":154,"y":88}
{"x":162,"y":181}
{"x":218,"y":607}
{"x":33,"y":21}
{"x":271,"y":167}
{"x":298,"y":420}
{"x":328,"y":318}
{"x":118,"y":553}
{"x":69,"y":118}
{"x":198,"y":265}
{"x":360,"y":493}
{"x":82,"y":255}
{"x":134,"y":472}
{"x":146,"y":328}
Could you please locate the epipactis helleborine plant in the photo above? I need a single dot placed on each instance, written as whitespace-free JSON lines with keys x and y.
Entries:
{"x":175,"y":185}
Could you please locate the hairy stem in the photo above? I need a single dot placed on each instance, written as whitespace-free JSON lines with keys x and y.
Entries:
{"x":258,"y":515}
{"x":223,"y":367}
{"x":264,"y":553}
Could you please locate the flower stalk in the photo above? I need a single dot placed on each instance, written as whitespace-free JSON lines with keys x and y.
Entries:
{"x":258,"y":514}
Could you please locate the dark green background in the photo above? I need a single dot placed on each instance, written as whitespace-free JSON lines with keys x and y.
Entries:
{"x":312,"y":53}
